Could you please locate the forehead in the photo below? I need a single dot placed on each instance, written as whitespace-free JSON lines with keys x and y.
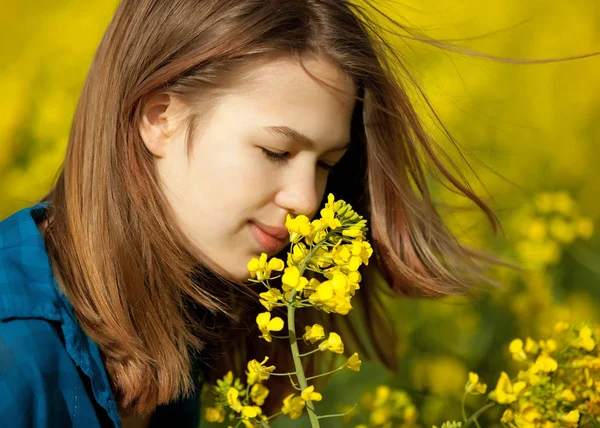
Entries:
{"x":282,"y":92}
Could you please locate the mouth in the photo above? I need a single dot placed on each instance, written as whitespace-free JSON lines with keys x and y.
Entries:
{"x":268,"y":242}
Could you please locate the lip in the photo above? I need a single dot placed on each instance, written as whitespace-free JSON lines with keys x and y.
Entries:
{"x":266,"y":238}
{"x":278,"y":232}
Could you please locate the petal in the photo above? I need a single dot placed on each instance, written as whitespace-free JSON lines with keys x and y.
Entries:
{"x":262,"y":319}
{"x":276,"y":324}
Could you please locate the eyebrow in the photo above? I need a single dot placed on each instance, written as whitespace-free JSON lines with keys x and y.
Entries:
{"x":298,"y":137}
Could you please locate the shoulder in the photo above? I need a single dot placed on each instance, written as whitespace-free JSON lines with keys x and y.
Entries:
{"x":30,"y":341}
{"x":26,"y":279}
{"x":35,"y":370}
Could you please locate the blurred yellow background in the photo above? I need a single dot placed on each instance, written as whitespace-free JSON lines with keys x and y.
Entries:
{"x":536,"y":126}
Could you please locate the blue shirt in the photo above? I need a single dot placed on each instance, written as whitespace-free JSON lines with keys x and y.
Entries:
{"x":51,"y":372}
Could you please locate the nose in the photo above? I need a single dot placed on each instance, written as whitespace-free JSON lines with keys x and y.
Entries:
{"x":301,"y":193}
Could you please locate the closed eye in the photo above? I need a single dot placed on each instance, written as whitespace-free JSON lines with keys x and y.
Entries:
{"x":282,"y":157}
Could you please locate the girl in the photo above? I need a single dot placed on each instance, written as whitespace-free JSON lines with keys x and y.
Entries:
{"x":201,"y":125}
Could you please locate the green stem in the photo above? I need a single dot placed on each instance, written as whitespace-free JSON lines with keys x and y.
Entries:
{"x":314,"y":421}
{"x":462,"y":407}
{"x":337,"y":415}
{"x":325,"y":374}
{"x":309,"y":352}
{"x":302,"y":381}
{"x":280,"y":337}
{"x":283,"y":374}
{"x":273,"y":416}
{"x":478,"y":413}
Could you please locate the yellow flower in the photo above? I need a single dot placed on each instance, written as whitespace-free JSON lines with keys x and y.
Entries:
{"x":473,"y":385}
{"x":212,"y":414}
{"x":507,"y":416}
{"x":549,"y":345}
{"x":382,"y":394}
{"x":318,"y":231}
{"x":333,"y":343}
{"x":298,"y":227}
{"x":585,"y":228}
{"x":531,"y":346}
{"x":381,"y":416}
{"x":503,"y":393}
{"x":530,"y":413}
{"x":519,"y":386}
{"x":562,"y":231}
{"x":309,"y":395}
{"x":314,"y":333}
{"x":328,"y":217}
{"x":563,"y":203}
{"x":259,"y":393}
{"x":250,"y":412}
{"x":258,"y":371}
{"x":546,"y":363}
{"x":353,"y":232}
{"x":585,"y":339}
{"x":261,"y":270}
{"x":233,"y":401}
{"x":535,"y":229}
{"x":269,"y":297}
{"x":410,"y":414}
{"x":363,"y":250}
{"x":333,"y":204}
{"x":353,"y":363}
{"x":298,"y":254}
{"x":323,"y":293}
{"x":567,"y":395}
{"x":291,"y":279}
{"x":571,"y":417}
{"x":267,"y":325}
{"x":226,"y":381}
{"x":293,"y":406}
{"x":561,"y":326}
{"x":516,"y":349}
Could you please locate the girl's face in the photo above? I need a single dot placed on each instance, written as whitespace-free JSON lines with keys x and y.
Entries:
{"x":228,"y":183}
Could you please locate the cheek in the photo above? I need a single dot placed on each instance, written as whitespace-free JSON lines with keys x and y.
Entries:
{"x":229,"y":182}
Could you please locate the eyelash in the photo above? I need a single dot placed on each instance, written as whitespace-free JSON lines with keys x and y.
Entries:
{"x":282,"y":157}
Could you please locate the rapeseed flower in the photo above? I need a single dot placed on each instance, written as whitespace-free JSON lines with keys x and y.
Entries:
{"x":333,"y":343}
{"x":233,"y":400}
{"x":293,"y":406}
{"x":314,"y":333}
{"x":267,"y":325}
{"x":473,"y":385}
{"x":292,"y":280}
{"x":309,"y":394}
{"x":260,"y":269}
{"x":258,"y":372}
{"x":213,"y":414}
{"x":503,"y":393}
{"x":298,"y":227}
{"x":259,"y":393}
{"x":353,"y":363}
{"x":269,"y":298}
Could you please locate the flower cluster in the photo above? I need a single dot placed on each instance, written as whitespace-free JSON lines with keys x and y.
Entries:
{"x":322,"y":272}
{"x":244,"y":400}
{"x":333,"y":246}
{"x":552,"y":222}
{"x":560,"y":381}
{"x":385,"y":407}
{"x":559,"y":384}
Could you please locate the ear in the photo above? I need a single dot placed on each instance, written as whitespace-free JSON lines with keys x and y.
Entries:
{"x":156,"y":122}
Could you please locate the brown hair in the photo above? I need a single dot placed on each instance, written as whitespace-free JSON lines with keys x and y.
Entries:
{"x":139,"y":288}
